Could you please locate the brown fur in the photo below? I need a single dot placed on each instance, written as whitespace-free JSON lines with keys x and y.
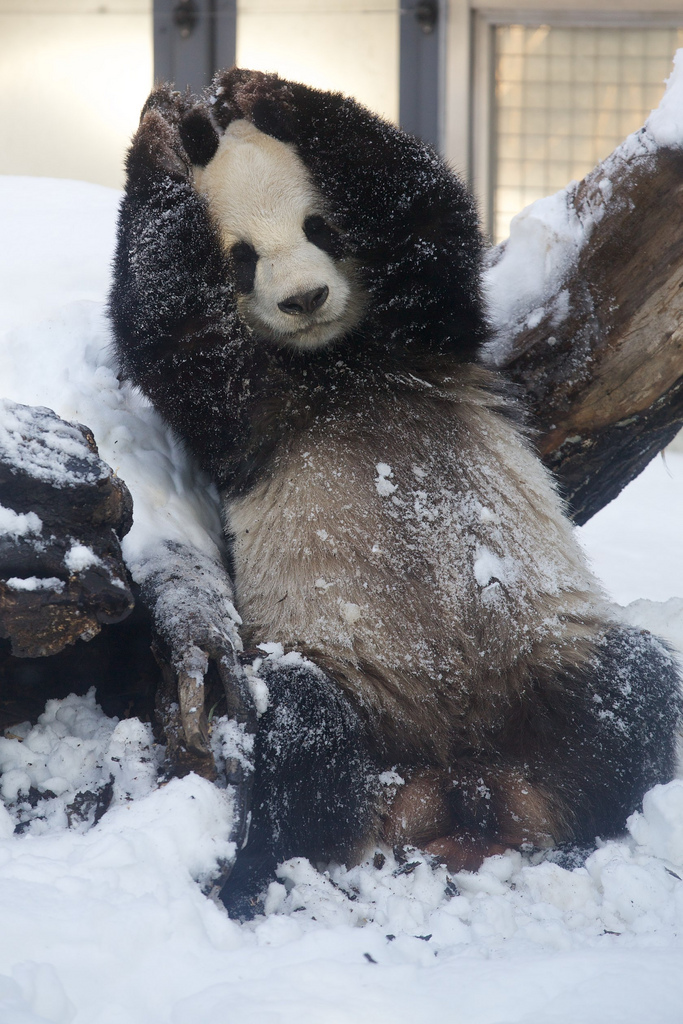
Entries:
{"x":381,"y":591}
{"x":497,"y":801}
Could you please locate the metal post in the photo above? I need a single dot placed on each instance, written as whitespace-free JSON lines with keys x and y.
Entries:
{"x":192,"y":40}
{"x":422,"y":42}
{"x":225,"y":34}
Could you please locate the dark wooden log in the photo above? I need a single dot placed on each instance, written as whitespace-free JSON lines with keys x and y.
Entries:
{"x":118,"y":661}
{"x":63,"y":511}
{"x":604,"y":382}
{"x":52,"y":468}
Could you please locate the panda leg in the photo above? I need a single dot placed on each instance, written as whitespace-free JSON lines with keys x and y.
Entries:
{"x":616,"y":734}
{"x":572,"y":765}
{"x":314,"y":786}
{"x":477,"y":808}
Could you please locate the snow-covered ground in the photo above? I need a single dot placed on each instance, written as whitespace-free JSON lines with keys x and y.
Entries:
{"x":108,"y":923}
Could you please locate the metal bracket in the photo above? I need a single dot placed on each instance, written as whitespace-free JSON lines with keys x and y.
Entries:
{"x":427,"y":15}
{"x":185,"y":17}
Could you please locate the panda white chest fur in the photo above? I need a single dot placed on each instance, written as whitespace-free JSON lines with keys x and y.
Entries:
{"x":406,"y":540}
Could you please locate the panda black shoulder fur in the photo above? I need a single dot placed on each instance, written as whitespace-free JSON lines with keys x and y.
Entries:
{"x":297,"y":290}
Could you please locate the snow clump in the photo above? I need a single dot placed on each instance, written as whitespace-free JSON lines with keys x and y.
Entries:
{"x":72,"y":764}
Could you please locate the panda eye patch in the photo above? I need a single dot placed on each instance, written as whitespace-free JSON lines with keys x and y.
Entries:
{"x":319,"y":233}
{"x":244,"y":260}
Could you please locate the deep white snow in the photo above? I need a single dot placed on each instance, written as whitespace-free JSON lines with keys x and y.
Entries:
{"x":108,"y":923}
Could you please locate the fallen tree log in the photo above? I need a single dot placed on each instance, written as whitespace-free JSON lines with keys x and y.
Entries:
{"x":595,"y":341}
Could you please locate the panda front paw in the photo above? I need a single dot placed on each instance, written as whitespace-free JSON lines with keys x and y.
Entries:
{"x":156,"y":151}
{"x":260,"y":97}
{"x":175,"y":132}
{"x":198,"y":136}
{"x":168,"y":102}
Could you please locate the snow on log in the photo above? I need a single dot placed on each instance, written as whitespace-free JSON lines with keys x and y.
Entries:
{"x":587,"y":302}
{"x":62,"y":512}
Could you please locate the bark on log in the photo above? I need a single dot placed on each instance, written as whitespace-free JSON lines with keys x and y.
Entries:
{"x":601,"y":366}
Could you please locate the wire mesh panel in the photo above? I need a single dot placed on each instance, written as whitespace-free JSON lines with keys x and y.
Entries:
{"x":564,"y":98}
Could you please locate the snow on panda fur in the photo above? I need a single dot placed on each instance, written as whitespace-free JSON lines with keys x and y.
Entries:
{"x":297,"y":291}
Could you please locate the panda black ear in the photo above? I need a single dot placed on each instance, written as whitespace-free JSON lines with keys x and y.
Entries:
{"x":261,"y":97}
{"x":199,"y":137}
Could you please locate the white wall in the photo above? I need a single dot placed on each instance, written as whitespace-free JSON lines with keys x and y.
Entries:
{"x":73,"y":77}
{"x":351,"y":46}
{"x":75,"y":73}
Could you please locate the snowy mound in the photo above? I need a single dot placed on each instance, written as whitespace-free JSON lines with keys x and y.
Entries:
{"x":103,"y":872}
{"x":109,"y":923}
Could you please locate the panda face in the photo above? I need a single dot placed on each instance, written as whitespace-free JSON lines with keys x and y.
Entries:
{"x":293,"y":285}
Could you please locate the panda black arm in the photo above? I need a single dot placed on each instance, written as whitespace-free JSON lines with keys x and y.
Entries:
{"x":407,"y":219}
{"x":178,"y":340}
{"x":176,"y":333}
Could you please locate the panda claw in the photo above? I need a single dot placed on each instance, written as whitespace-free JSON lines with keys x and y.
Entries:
{"x":239,"y":701}
{"x":192,"y":711}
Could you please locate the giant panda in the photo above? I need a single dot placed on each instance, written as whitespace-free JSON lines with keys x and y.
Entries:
{"x":297,"y":290}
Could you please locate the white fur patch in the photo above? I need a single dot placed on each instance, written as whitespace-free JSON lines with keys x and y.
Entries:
{"x":260,"y":192}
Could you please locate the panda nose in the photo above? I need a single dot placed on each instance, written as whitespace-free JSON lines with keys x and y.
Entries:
{"x":305,"y":302}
